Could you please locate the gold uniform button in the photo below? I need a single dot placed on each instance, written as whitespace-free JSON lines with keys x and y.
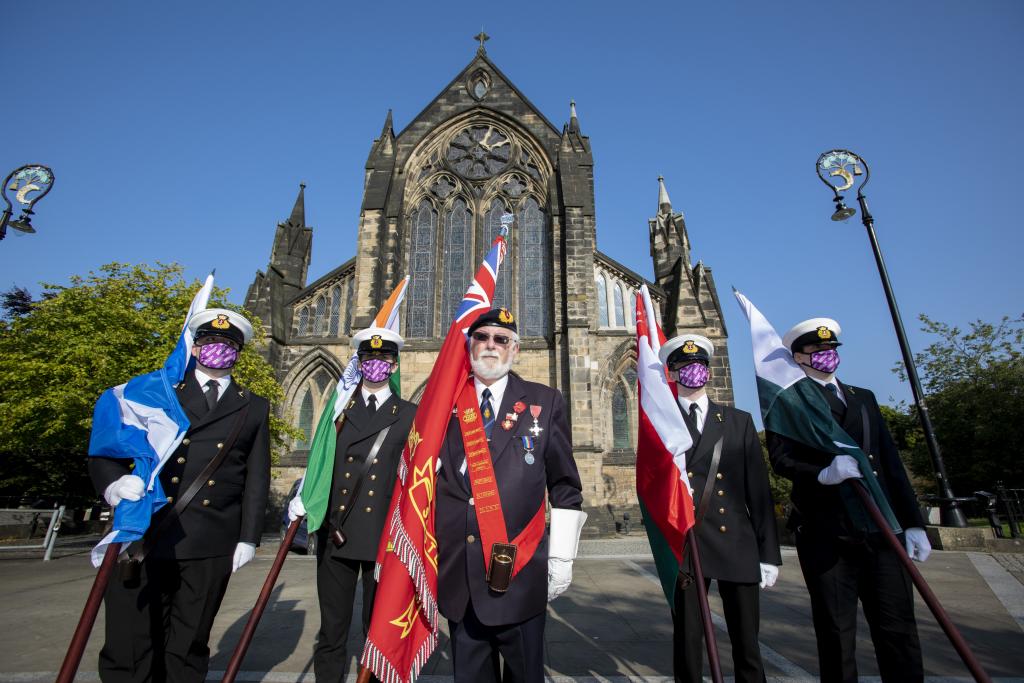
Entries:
{"x":175,"y":480}
{"x":718,"y":476}
{"x":341,"y":508}
{"x":186,"y":441}
{"x":722,"y":529}
{"x":211,"y":482}
{"x":369,"y":493}
{"x":721,"y":511}
{"x":348,"y":475}
{"x":170,"y":499}
{"x":206,"y":502}
{"x":376,"y":460}
{"x":369,"y":509}
{"x":181,"y":461}
{"x":874,"y":472}
{"x":350,"y":458}
{"x":871,"y":457}
{"x":470,"y":539}
{"x":721,"y":492}
{"x":344,"y":492}
{"x":373,"y":477}
{"x":220,"y":445}
{"x":690,"y":475}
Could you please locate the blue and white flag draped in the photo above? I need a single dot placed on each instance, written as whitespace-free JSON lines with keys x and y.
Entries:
{"x":143,"y":420}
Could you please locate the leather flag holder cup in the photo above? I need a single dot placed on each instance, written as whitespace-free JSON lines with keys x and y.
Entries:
{"x":499,"y":569}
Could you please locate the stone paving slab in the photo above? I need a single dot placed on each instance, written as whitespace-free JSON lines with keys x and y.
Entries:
{"x":613,"y":625}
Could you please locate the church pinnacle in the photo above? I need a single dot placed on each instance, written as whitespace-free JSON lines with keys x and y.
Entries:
{"x":298,"y":217}
{"x":483,"y":38}
{"x":664,"y":203}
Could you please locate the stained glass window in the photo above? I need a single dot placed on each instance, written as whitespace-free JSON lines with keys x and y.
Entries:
{"x":349,"y":304}
{"x":318,"y":316}
{"x":620,"y":418}
{"x":422,"y":268}
{"x":306,"y":421}
{"x":620,"y":317}
{"x":534,"y":278}
{"x":602,"y":300}
{"x":304,"y":321}
{"x":458,"y":245}
{"x":335,"y":309}
{"x":492,"y":225}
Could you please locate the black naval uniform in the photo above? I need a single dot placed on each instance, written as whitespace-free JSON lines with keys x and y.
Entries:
{"x":841,"y":562}
{"x":736,"y":535}
{"x":482,"y":622}
{"x":158,"y":628}
{"x":338,"y":568}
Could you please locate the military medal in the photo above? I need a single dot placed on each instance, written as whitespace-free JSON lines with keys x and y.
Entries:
{"x":536,"y":429}
{"x":507,"y":424}
{"x":528,"y":446}
{"x":519,"y":407}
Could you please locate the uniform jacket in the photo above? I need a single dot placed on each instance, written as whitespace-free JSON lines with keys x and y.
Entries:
{"x":820,"y":508}
{"x":521,"y":487}
{"x":738,"y":531}
{"x":231,"y":505}
{"x":359,"y":429}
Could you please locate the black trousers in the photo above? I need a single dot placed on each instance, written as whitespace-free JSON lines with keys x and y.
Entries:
{"x":336,"y":581}
{"x":742,"y":606}
{"x":476,"y":648}
{"x":839,"y":572}
{"x":158,"y":627}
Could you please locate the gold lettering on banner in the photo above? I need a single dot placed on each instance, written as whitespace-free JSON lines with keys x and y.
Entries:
{"x":407,"y":619}
{"x":485,"y":480}
{"x":488,"y":508}
{"x":485,"y":494}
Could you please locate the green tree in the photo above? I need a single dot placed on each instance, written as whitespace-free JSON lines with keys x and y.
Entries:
{"x":58,"y":354}
{"x":974,"y":388}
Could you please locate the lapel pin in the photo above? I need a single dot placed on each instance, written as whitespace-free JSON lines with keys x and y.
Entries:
{"x":507,"y":424}
{"x":718,"y":416}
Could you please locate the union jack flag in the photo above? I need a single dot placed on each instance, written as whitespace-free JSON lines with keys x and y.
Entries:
{"x":481,"y":292}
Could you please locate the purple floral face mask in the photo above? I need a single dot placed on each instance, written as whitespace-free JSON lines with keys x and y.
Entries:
{"x":218,"y":355}
{"x":375,"y":369}
{"x":825,"y":361}
{"x":694,"y":375}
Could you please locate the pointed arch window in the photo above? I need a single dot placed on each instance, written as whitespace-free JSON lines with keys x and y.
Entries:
{"x":306,"y":420}
{"x":335,"y":309}
{"x":422,"y":270}
{"x":631,"y":316}
{"x":602,"y":300}
{"x":319,"y":313}
{"x":349,"y":303}
{"x":620,"y":418}
{"x":492,"y":226}
{"x":620,"y":314}
{"x":304,"y":321}
{"x":534,"y":263}
{"x":458,"y":256}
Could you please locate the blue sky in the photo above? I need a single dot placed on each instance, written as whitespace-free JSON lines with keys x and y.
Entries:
{"x":180,"y":131}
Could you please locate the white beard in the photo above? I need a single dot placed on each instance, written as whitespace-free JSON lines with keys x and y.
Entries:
{"x":487,"y":371}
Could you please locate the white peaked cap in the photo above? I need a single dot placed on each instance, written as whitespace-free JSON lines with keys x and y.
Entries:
{"x":675,"y":342}
{"x":812,"y":325}
{"x":382,"y":332}
{"x":234,"y":319}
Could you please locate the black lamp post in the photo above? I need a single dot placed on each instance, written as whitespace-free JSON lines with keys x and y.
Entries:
{"x":31,"y":179}
{"x":844,"y":166}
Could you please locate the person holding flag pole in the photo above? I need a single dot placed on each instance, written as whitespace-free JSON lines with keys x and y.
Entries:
{"x":851,"y":502}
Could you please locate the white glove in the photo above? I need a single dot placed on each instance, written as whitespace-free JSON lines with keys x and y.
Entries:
{"x":769,"y":574}
{"x":843,"y":467}
{"x":244,"y":552}
{"x":566,"y":526}
{"x":296,"y":510}
{"x":128,"y":487}
{"x":918,"y":546}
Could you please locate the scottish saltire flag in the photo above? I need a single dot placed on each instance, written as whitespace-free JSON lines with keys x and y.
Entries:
{"x":316,"y":485}
{"x":142,"y":419}
{"x":792,"y":406}
{"x":403,"y":630}
{"x":662,"y":441}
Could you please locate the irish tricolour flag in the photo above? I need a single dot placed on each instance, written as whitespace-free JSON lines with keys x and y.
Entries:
{"x":662,"y":442}
{"x":792,"y":406}
{"x":316,"y":486}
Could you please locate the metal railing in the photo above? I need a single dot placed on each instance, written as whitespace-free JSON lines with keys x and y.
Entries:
{"x":32,"y":518}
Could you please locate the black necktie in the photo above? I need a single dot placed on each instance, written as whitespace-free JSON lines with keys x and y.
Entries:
{"x":690,"y":418}
{"x":211,"y":393}
{"x":695,"y":416}
{"x":488,"y":413}
{"x":371,"y":404}
{"x":834,"y":402}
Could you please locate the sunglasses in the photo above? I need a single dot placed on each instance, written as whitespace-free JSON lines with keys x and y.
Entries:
{"x":499,"y":339}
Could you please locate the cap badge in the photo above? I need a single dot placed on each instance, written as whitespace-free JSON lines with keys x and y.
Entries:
{"x":376,"y":342}
{"x":824,"y":333}
{"x":689,"y":347}
{"x":221,"y":323}
{"x":505,"y":316}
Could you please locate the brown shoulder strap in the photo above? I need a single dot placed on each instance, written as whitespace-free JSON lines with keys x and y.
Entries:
{"x":709,"y":483}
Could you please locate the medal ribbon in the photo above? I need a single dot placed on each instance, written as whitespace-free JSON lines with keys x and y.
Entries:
{"x":487,"y":501}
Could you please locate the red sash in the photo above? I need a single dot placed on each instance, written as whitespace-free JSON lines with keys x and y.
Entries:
{"x":487,"y":501}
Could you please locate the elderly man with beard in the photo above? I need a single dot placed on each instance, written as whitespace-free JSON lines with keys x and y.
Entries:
{"x":496,"y":578}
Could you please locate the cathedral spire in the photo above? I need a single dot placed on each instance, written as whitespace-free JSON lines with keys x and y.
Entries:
{"x":387,"y":126}
{"x":574,"y":123}
{"x":664,"y":203}
{"x":298,"y":217}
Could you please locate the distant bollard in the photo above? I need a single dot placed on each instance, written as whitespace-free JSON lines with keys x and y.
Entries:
{"x":988,"y":501}
{"x":625,"y":522}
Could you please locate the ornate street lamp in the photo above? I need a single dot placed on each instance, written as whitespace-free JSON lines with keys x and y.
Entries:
{"x":32,"y":179}
{"x":839,"y":168}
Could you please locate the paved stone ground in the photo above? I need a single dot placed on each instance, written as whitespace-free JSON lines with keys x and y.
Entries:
{"x":612,"y":625}
{"x":1013,"y":563}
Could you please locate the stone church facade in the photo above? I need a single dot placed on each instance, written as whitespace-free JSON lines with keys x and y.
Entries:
{"x":432,"y":201}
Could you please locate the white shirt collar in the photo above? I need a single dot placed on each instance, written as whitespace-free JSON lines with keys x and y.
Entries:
{"x":203,"y":378}
{"x":834,"y":382}
{"x":382,"y":394}
{"x":497,"y":392}
{"x":701,"y":402}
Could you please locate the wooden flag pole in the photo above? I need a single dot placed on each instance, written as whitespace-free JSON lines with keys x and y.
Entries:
{"x":959,"y":644}
{"x":710,"y":642}
{"x":76,"y":648}
{"x":261,"y":604}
